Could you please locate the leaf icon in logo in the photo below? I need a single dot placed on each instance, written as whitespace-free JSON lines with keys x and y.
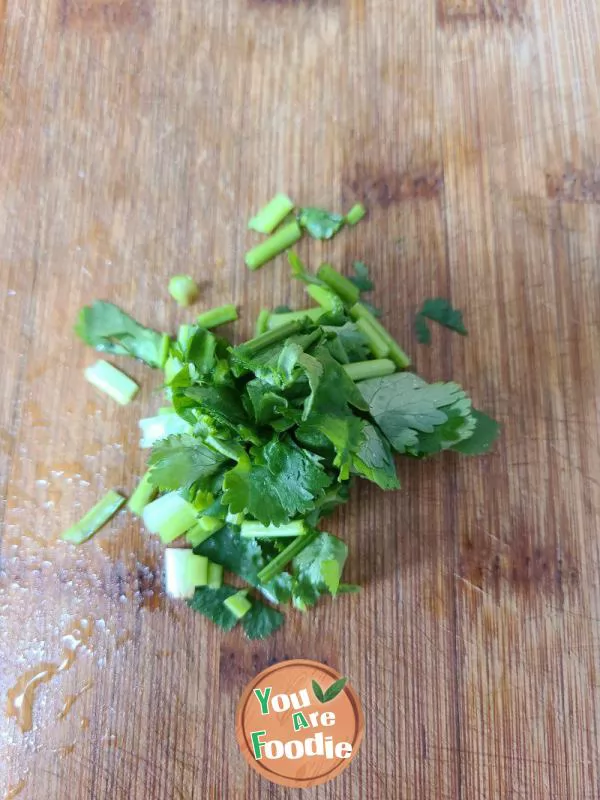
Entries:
{"x":318,"y":691}
{"x":331,"y":693}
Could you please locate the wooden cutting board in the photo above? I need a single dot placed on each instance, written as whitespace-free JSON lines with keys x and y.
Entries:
{"x":136,"y":138}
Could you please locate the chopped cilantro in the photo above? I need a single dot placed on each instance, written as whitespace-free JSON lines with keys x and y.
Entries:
{"x":439,"y":310}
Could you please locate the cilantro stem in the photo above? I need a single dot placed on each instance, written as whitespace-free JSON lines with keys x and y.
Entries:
{"x":95,"y":518}
{"x":397,"y":354}
{"x":340,"y":285}
{"x":269,"y":217}
{"x":265,"y":251}
{"x":356,"y":213}
{"x":276,"y":565}
{"x":143,"y":494}
{"x":253,"y":346}
{"x":217,"y":316}
{"x":238,"y":604}
{"x":262,"y":321}
{"x":377,"y":368}
{"x":255,"y":530}
{"x":112,"y":382}
{"x":379,"y":347}
{"x":277,"y":320}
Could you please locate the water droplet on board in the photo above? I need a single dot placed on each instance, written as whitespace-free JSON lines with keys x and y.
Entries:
{"x":21,"y":697}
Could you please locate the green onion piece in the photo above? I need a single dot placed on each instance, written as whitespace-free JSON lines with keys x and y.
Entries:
{"x":397,"y":354}
{"x":238,"y":604}
{"x":377,"y":368}
{"x":269,"y":217}
{"x":95,"y":518}
{"x":197,"y":571}
{"x":255,"y":530}
{"x":143,"y":494}
{"x":265,"y":251}
{"x":276,"y":565}
{"x":159,"y":427}
{"x":183,"y":289}
{"x":112,"y":382}
{"x":322,"y":296}
{"x":169,"y":516}
{"x":355,"y":214}
{"x":215,"y":575}
{"x":184,"y":571}
{"x":379,"y":346}
{"x":218,"y":316}
{"x":277,"y":320}
{"x":165,"y":346}
{"x":340,"y":285}
{"x":253,"y":346}
{"x":262,"y":322}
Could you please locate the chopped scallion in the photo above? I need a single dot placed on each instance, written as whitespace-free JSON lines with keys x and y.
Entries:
{"x":238,"y":604}
{"x":256,"y":530}
{"x":379,"y":347}
{"x":340,"y":285}
{"x":262,"y":322}
{"x":269,"y":217}
{"x":112,"y":382}
{"x":397,"y":354}
{"x":95,"y":518}
{"x":143,"y":494}
{"x":276,"y":565}
{"x":356,"y":213}
{"x":169,"y":516}
{"x":218,"y":316}
{"x":377,"y":368}
{"x":265,"y":251}
{"x":215,"y":575}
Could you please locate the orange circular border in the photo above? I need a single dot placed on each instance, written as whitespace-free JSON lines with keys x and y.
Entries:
{"x":269,"y":774}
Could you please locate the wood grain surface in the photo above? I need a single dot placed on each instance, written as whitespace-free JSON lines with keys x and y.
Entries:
{"x":136,"y":138}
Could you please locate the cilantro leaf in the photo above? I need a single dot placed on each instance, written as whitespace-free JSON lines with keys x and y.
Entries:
{"x":345,"y":434}
{"x":312,"y":578}
{"x":261,"y":620}
{"x":361,"y":280}
{"x":439,"y":310}
{"x":244,"y":557}
{"x":179,"y":461}
{"x":281,"y":482}
{"x":374,"y":459}
{"x":485,"y":433}
{"x":353,"y":341}
{"x":405,"y":406}
{"x":108,"y":329}
{"x":422,"y":331}
{"x":209,"y":602}
{"x":320,"y":224}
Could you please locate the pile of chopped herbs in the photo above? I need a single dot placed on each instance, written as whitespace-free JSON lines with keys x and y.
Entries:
{"x":259,"y":442}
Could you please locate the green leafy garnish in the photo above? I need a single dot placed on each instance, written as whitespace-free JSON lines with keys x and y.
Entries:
{"x":320,"y":224}
{"x":259,"y":442}
{"x":439,"y":310}
{"x":109,"y":330}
